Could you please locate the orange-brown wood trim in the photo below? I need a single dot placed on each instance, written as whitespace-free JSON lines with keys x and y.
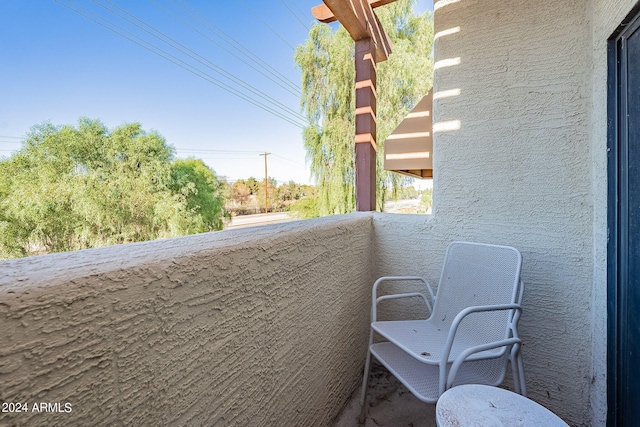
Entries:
{"x":361,"y":22}
{"x":323,"y":14}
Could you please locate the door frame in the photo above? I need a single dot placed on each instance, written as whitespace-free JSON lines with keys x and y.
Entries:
{"x":617,"y":222}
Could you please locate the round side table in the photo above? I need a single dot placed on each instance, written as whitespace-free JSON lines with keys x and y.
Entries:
{"x":474,"y":405}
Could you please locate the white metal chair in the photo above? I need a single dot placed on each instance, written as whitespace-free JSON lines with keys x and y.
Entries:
{"x":471,"y":333}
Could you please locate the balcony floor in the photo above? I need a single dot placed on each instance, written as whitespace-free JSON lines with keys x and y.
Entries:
{"x":390,"y":405}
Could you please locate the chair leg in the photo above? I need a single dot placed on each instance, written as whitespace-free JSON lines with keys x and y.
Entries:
{"x":365,"y":382}
{"x":513,"y":361}
{"x":516,"y":377}
{"x":517,"y":367}
{"x":523,"y":387}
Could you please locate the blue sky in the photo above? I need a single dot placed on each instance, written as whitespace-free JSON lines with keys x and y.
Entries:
{"x":57,"y":66}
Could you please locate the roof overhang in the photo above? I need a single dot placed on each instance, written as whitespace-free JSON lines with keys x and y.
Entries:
{"x":409,"y":148}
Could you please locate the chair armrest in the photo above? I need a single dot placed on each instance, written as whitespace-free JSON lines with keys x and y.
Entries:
{"x":478,"y":309}
{"x":454,"y":328}
{"x":476,"y":349}
{"x":375,"y":299}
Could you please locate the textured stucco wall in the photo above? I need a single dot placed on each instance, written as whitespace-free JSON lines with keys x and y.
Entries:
{"x":406,"y":245}
{"x":512,"y":163}
{"x":253,"y":327}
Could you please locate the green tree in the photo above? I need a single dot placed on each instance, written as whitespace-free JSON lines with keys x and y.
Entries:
{"x":78,"y":187}
{"x":287,"y":191}
{"x":254,"y":185}
{"x":328,"y":99}
{"x":273,"y":191}
{"x":306,"y":207}
{"x":305,"y":204}
{"x":404,"y":192}
{"x":199,"y":194}
{"x":427,"y":199}
{"x":241,"y":192}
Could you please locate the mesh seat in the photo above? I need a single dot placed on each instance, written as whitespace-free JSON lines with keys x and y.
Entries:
{"x":471,"y":334}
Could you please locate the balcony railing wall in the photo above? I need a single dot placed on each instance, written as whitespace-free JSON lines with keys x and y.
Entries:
{"x":254,"y":327}
{"x":262,"y":326}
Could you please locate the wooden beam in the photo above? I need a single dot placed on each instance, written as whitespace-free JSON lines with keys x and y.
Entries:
{"x":348,"y":17}
{"x":360,"y":21}
{"x":323,"y":14}
{"x":378,"y":34}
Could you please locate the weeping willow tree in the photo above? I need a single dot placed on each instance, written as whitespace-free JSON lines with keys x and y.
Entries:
{"x":326,"y":60}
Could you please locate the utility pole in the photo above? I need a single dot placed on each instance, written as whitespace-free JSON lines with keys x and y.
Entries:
{"x":266,"y":183}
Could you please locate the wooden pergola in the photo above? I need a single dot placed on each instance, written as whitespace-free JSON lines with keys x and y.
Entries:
{"x":372,"y":46}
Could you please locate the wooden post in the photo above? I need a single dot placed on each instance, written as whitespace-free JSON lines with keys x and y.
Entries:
{"x":372,"y":46}
{"x":365,"y":125}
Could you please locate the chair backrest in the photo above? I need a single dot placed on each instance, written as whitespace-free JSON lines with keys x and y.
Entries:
{"x":475,"y":274}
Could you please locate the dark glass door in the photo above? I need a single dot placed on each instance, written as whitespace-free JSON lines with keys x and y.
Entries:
{"x":624,"y":226}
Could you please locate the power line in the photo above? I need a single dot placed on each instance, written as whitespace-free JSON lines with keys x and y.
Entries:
{"x":225,"y":158}
{"x":281,"y":81}
{"x":304,"y":14}
{"x":165,"y":55}
{"x":195,"y":56}
{"x":205,"y":150}
{"x":289,"y":160}
{"x":222,"y":157}
{"x":265,"y":24}
{"x":243,"y":153}
{"x":230,"y":40}
{"x":233,"y":181}
{"x":171,"y":58}
{"x":294,"y":15}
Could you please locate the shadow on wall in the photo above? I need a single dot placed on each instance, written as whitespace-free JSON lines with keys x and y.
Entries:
{"x":442,"y":66}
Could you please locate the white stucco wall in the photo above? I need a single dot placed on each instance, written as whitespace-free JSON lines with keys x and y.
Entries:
{"x":513,"y":157}
{"x":255,"y":327}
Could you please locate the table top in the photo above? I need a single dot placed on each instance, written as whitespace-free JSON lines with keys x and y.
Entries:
{"x":485,"y":406}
